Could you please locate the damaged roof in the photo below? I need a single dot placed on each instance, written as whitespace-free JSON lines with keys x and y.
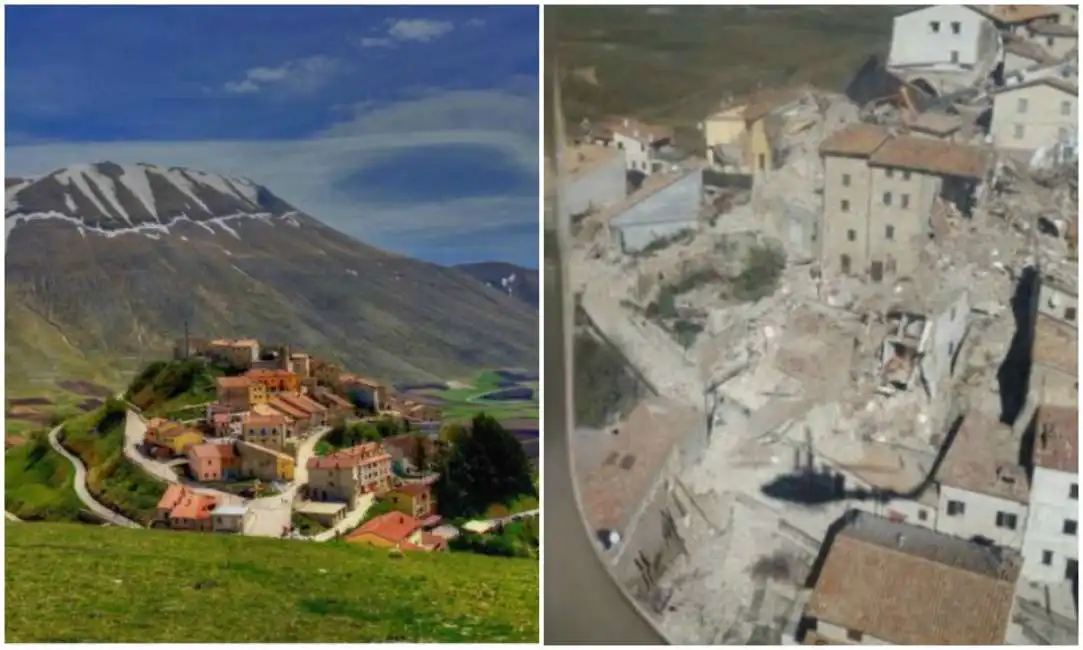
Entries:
{"x":1055,"y":345}
{"x":983,"y":458}
{"x":1056,"y":441}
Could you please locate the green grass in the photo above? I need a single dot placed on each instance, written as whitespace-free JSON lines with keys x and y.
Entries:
{"x":462,"y":403}
{"x":68,"y":583}
{"x":674,"y":68}
{"x":38,"y":482}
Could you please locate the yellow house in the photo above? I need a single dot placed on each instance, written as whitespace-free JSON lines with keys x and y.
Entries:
{"x":284,"y":468}
{"x":742,"y":137}
{"x":240,"y":393}
{"x":414,"y":499}
{"x":174,"y":437}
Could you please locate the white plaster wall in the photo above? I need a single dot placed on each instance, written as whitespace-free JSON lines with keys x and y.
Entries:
{"x":980,"y":517}
{"x":663,"y":214}
{"x":1056,"y":303}
{"x":913,"y":42}
{"x":637,"y":155}
{"x":1042,"y":121}
{"x":1050,"y":506}
{"x":949,"y":330}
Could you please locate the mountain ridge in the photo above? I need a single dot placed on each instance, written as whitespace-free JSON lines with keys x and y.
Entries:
{"x":512,"y":279}
{"x":112,"y":267}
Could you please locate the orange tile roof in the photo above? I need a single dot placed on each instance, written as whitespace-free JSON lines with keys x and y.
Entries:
{"x":194,"y":506}
{"x":286,"y":408}
{"x":857,"y":140}
{"x":303,"y":403}
{"x":233,"y":382}
{"x":1056,"y":441}
{"x":363,"y":454}
{"x":395,"y":527}
{"x":983,"y":458}
{"x":257,"y":373}
{"x":270,"y":420}
{"x":932,"y":156}
{"x":212,"y":450}
{"x":174,"y":494}
{"x":335,"y":399}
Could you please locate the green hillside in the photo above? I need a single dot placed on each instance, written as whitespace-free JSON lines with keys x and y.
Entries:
{"x":68,"y":583}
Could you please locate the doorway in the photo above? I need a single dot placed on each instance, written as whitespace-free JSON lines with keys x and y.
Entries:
{"x":844,"y":262}
{"x":877,"y":271}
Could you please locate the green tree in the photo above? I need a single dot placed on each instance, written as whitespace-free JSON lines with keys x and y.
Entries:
{"x":420,"y":452}
{"x":481,"y":466}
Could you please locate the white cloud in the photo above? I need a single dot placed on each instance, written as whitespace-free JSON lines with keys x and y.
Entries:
{"x":308,"y":173}
{"x":419,"y":29}
{"x":372,"y":41}
{"x":300,"y":75}
{"x":475,"y":22}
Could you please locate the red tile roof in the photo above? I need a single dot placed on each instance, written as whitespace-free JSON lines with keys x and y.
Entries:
{"x":194,"y":506}
{"x":363,"y":454}
{"x":233,"y":382}
{"x":303,"y":403}
{"x":284,"y":407}
{"x":394,"y":527}
{"x":173,"y":495}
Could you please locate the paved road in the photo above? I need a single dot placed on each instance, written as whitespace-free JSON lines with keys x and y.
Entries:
{"x":352,"y":520}
{"x":80,"y":485}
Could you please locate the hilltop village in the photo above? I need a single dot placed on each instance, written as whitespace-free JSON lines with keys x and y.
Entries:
{"x":872,"y":297}
{"x":293,"y":446}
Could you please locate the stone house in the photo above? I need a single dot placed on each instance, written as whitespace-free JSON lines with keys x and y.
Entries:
{"x":241,"y":353}
{"x":265,"y":430}
{"x":889,"y":583}
{"x":414,"y":499}
{"x":349,"y":473}
{"x":983,"y":489}
{"x":275,"y":381}
{"x":1059,"y":40}
{"x":1023,"y":54}
{"x":879,"y":193}
{"x":239,"y":393}
{"x":1035,"y":113}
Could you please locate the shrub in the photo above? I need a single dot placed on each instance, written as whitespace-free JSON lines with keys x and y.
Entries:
{"x":759,"y":278}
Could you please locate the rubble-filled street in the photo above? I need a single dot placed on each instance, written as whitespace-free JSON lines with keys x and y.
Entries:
{"x":834,"y":382}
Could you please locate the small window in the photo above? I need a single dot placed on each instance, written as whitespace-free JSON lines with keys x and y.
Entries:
{"x":1049,"y":42}
{"x":845,"y":206}
{"x":1069,"y":313}
{"x":844,"y":262}
{"x":1066,"y":108}
{"x":1070,"y":526}
{"x":904,"y":201}
{"x":954,"y":56}
{"x":887,"y":198}
{"x":934,"y":26}
{"x":1047,"y":558}
{"x":906,"y":176}
{"x":851,"y":235}
{"x":846,"y":180}
{"x":854,"y":635}
{"x":1021,"y":105}
{"x":889,"y":232}
{"x":1073,"y":492}
{"x":922,"y":515}
{"x":889,"y":173}
{"x":642,"y":147}
{"x":620,"y":145}
{"x":1006,"y":520}
{"x":956,"y":508}
{"x":1019,"y":131}
{"x":956,"y":27}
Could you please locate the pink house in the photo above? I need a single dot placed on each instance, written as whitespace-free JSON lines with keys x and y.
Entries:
{"x":213,"y":462}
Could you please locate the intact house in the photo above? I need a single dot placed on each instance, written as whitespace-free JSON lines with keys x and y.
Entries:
{"x":879,"y":193}
{"x":168,"y":438}
{"x":264,"y":463}
{"x":396,"y":530}
{"x":231,"y":518}
{"x":241,"y":353}
{"x":366,"y":393}
{"x":1036,"y":113}
{"x":942,"y":37}
{"x":882,"y":582}
{"x":983,"y":488}
{"x":268,"y":431}
{"x":181,"y":508}
{"x":1051,"y":545}
{"x":414,"y":499}
{"x":214,"y":462}
{"x":1059,"y":40}
{"x":239,"y":393}
{"x":275,"y":380}
{"x":640,"y":142}
{"x":743,"y":138}
{"x":664,"y":208}
{"x":347,"y":474}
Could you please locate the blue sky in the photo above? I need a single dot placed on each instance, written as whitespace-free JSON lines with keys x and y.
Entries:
{"x":411,"y":128}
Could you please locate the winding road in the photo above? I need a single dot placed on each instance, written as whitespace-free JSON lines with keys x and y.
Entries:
{"x":81,"y":488}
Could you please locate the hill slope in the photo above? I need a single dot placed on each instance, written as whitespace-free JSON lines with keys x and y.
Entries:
{"x":156,"y":586}
{"x":105,"y":262}
{"x":516,"y":281}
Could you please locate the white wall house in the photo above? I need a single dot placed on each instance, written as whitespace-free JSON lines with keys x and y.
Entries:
{"x":942,"y":36}
{"x":1058,"y":301}
{"x":639,"y":142}
{"x":1035,"y":113}
{"x":983,"y":491}
{"x":1051,"y":547}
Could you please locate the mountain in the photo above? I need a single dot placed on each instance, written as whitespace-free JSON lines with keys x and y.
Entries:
{"x":106,"y":262}
{"x":516,"y":281}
